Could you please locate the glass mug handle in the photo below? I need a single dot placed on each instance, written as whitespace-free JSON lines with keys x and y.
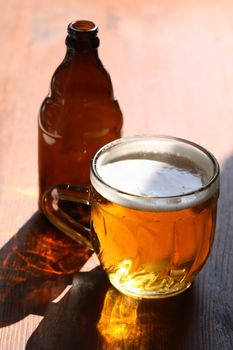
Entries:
{"x":63,"y":221}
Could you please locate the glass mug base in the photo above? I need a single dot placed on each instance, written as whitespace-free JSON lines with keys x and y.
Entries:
{"x":160,"y":294}
{"x":149,"y":284}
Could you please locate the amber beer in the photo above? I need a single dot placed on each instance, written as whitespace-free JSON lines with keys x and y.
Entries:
{"x":153,"y":209}
{"x":154,"y":233}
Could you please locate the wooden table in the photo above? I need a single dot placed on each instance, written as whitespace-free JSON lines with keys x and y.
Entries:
{"x":171,"y":66}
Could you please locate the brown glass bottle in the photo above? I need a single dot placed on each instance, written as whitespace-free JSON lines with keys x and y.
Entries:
{"x":79,"y":115}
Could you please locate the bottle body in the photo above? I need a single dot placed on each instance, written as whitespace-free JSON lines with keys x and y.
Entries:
{"x":78,"y":117}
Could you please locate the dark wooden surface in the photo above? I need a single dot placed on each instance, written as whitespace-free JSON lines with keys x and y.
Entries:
{"x":171,"y":66}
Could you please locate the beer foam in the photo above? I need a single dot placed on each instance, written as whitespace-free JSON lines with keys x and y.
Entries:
{"x":147,"y":177}
{"x":153,"y":173}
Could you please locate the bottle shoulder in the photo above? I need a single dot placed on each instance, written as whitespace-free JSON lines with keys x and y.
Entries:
{"x":82,"y":76}
{"x":83,"y":117}
{"x":81,"y":96}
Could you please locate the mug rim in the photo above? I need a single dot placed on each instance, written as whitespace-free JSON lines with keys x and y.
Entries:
{"x":95,"y":176}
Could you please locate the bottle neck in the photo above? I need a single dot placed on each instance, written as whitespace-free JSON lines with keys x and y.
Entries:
{"x":87,"y":56}
{"x":82,"y":45}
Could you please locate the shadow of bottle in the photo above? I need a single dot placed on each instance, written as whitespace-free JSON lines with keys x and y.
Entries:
{"x":71,"y":322}
{"x":93,"y":316}
{"x":36,"y":264}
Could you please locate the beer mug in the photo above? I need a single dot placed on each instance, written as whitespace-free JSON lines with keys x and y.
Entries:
{"x":153,"y":203}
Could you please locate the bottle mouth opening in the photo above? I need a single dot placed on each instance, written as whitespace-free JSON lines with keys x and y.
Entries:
{"x":82,"y":35}
{"x":82,"y":26}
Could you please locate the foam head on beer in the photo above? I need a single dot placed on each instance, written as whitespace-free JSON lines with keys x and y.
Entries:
{"x":163,"y":174}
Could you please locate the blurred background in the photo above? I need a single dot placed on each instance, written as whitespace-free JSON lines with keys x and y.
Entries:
{"x":171,"y":66}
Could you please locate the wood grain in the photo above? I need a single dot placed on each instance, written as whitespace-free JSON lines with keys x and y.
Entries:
{"x":171,"y":66}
